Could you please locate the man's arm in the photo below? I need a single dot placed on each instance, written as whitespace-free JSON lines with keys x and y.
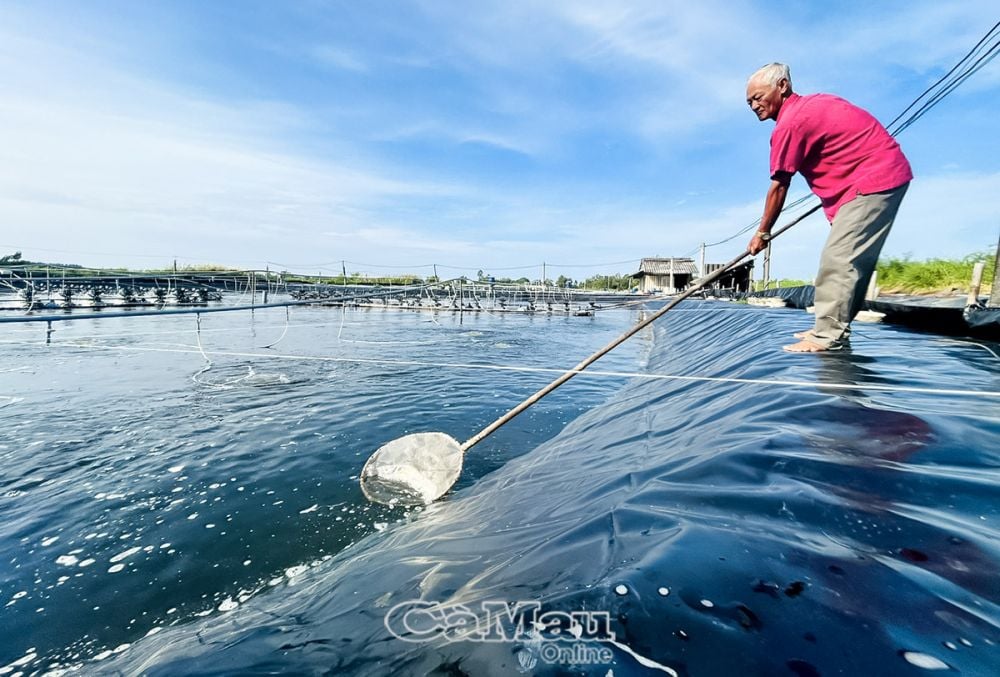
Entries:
{"x":773,"y":204}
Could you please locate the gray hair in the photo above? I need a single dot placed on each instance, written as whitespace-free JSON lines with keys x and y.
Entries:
{"x":771,"y":74}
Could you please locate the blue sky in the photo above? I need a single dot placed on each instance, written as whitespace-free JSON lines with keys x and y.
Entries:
{"x":486,"y":135}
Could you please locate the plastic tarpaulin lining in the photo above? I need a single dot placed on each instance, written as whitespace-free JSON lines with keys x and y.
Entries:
{"x":984,"y":321}
{"x":805,"y":525}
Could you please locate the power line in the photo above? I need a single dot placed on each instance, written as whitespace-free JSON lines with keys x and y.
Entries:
{"x":950,"y":87}
{"x":946,"y":75}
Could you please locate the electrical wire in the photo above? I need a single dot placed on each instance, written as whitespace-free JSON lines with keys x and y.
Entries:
{"x":949,"y":88}
{"x":946,"y":75}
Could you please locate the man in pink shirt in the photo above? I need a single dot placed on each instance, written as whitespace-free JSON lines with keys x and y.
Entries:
{"x":859,"y":173}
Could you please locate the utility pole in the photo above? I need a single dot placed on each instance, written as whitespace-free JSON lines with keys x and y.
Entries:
{"x":977,"y":280}
{"x":436,"y":272}
{"x":701,"y":264}
{"x":994,"y":301}
{"x":543,"y":273}
{"x":343,"y":270}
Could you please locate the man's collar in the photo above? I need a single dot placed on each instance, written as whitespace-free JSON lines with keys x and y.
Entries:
{"x":791,"y":97}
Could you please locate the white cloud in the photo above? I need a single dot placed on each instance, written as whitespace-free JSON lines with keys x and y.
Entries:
{"x":948,"y":216}
{"x":106,"y":159}
{"x":102,"y":160}
{"x":338,"y":57}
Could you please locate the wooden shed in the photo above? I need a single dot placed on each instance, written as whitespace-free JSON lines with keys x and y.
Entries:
{"x":738,"y":279}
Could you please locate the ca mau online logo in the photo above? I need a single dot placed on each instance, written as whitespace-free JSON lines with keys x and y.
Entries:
{"x":495,"y":621}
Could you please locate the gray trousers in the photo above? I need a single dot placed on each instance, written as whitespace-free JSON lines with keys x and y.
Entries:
{"x":856,"y":237}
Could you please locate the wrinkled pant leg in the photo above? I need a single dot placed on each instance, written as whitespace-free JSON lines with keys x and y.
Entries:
{"x":858,"y":232}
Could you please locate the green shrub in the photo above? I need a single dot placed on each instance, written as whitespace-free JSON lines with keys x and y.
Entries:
{"x":932,"y":275}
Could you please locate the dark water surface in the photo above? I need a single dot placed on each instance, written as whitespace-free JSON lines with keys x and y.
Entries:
{"x":141,"y":490}
{"x":755,"y":513}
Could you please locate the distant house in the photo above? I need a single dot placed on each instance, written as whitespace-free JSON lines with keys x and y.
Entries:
{"x":673,"y":275}
{"x":665,"y":275}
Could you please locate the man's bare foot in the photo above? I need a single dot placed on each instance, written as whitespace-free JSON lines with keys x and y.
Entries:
{"x":804,"y":347}
{"x":803,"y":334}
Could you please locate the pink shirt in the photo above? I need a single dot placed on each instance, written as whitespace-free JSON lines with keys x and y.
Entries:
{"x":840,"y":149}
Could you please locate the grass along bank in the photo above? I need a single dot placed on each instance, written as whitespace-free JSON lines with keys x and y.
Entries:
{"x":933,"y":276}
{"x":906,"y":276}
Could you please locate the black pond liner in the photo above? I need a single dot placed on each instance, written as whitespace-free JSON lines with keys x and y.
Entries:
{"x":812,"y":529}
{"x":946,"y":315}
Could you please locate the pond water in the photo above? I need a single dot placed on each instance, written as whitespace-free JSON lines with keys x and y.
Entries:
{"x":144,"y":486}
{"x":731,"y":509}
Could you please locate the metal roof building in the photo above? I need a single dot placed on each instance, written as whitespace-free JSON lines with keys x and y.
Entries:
{"x":668,"y":275}
{"x":673,"y":275}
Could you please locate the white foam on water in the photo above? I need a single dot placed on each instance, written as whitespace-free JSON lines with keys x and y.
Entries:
{"x":46,"y":542}
{"x":228,"y":604}
{"x":925,"y":661}
{"x":663,"y":592}
{"x":312,"y":508}
{"x":175,"y":469}
{"x":23,"y":660}
{"x":707,"y":603}
{"x":294,"y":571}
{"x":115,"y":568}
{"x":621,"y":589}
{"x":154,"y":630}
{"x":126,"y":554}
{"x":87,"y":562}
{"x":66,"y":560}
